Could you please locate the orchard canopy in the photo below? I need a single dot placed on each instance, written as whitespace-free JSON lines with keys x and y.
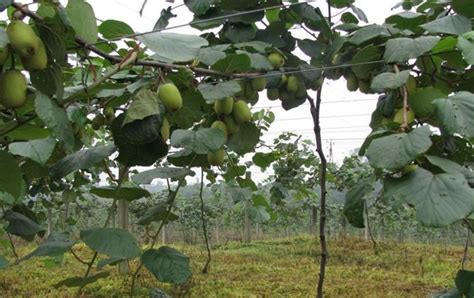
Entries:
{"x":82,"y":99}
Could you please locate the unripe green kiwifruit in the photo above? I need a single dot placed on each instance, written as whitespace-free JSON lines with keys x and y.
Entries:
{"x":221,"y":126}
{"x":216,"y":158}
{"x":407,"y":5}
{"x":224,"y":106}
{"x":98,"y":121}
{"x":273,"y":94}
{"x":22,"y":38}
{"x":409,"y":168}
{"x":411,"y":85}
{"x":276,"y":60}
{"x":165,"y":129}
{"x":241,"y":112}
{"x":13,"y":89}
{"x":283,"y":80}
{"x":242,"y":88}
{"x":292,"y":84}
{"x":170,"y":97}
{"x":352,"y":82}
{"x":399,"y":116}
{"x":364,"y":86}
{"x":4,"y":52}
{"x":109,"y":114}
{"x":249,"y":90}
{"x":231,"y":124}
{"x":284,"y":94}
{"x":259,"y":83}
{"x":315,"y":85}
{"x":37,"y":61}
{"x":301,"y":91}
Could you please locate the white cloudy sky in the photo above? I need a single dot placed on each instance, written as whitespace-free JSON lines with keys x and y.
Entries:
{"x":345,"y":115}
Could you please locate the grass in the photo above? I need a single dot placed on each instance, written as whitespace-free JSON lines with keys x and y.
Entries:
{"x":276,"y":268}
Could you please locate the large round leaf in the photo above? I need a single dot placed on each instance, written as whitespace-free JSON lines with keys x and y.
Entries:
{"x":395,"y":151}
{"x":11,"y":179}
{"x":167,"y":264}
{"x":439,"y":200}
{"x":113,"y":242}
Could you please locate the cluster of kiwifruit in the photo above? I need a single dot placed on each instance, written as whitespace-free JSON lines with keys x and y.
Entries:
{"x":24,"y":42}
{"x":231,"y":114}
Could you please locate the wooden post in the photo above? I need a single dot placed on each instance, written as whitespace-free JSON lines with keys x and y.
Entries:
{"x":248,"y":205}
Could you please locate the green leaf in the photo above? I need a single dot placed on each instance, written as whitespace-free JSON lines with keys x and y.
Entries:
{"x":233,"y":63}
{"x":264,"y":160}
{"x":11,"y":178}
{"x":56,"y":245}
{"x":165,"y":17}
{"x":167,"y":264}
{"x":448,"y":166}
{"x":259,"y":214}
{"x":341,"y":3}
{"x":361,"y":60}
{"x":174,"y":47}
{"x":79,"y":280}
{"x":453,"y":24}
{"x":112,"y":29}
{"x":466,"y":44}
{"x":131,"y":154}
{"x":456,"y":113}
{"x":113,"y":242}
{"x":55,"y":118}
{"x":202,"y":141}
{"x":403,"y":49}
{"x":239,"y":32}
{"x":355,"y":202}
{"x":389,"y":80}
{"x":156,"y":213}
{"x":29,"y":132}
{"x":141,"y":132}
{"x":3,"y":262}
{"x":312,"y":48}
{"x":109,"y":261}
{"x":257,"y":61}
{"x":49,"y":81}
{"x":245,"y":140}
{"x":145,"y":103}
{"x":463,"y":7}
{"x":147,"y":177}
{"x":233,"y":172}
{"x":464,"y":282}
{"x":123,"y":193}
{"x":395,"y":151}
{"x":210,"y":55}
{"x":20,"y":225}
{"x":37,"y":150}
{"x":439,"y":200}
{"x":421,"y":101}
{"x":83,"y":159}
{"x":221,"y":90}
{"x":199,"y":7}
{"x":367,"y":33}
{"x":4,"y":4}
{"x":82,"y":18}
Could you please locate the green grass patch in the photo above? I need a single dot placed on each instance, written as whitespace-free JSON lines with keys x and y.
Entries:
{"x":262,"y":268}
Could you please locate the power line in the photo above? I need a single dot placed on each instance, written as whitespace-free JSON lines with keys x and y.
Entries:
{"x":237,"y":14}
{"x":330,"y":116}
{"x":324,"y":102}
